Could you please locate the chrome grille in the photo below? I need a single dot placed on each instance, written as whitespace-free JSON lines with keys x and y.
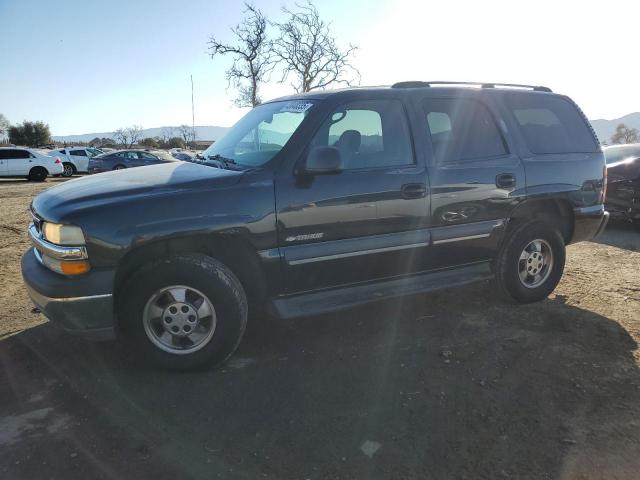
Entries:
{"x":37,"y":221}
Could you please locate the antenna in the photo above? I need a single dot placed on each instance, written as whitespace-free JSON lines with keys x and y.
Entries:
{"x":193,"y":116}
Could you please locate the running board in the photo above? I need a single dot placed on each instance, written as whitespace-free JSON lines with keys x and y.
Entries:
{"x":315,"y":303}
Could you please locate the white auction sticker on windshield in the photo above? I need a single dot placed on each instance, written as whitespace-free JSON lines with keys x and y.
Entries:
{"x":296,"y":107}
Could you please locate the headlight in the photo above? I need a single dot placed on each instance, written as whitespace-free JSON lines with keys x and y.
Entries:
{"x":62,"y":234}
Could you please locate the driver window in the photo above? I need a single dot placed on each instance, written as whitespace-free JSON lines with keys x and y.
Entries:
{"x":368,"y":134}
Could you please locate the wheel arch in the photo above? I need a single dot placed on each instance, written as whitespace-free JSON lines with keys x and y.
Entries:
{"x":554,"y":211}
{"x":235,"y":251}
{"x":68,"y":162}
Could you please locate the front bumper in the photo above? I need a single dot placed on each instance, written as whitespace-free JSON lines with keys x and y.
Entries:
{"x":82,"y":305}
{"x":589,"y":222}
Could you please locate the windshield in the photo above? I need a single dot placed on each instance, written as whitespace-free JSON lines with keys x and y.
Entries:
{"x":261,"y":133}
{"x":162,"y":155}
{"x":93,"y":152}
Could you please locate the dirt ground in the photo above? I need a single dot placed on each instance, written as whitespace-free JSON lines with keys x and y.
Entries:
{"x":456,"y":384}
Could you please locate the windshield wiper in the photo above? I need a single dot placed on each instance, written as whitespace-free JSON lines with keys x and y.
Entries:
{"x":228,"y":163}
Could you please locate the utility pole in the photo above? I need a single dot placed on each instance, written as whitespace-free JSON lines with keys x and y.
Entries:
{"x":193,"y":116}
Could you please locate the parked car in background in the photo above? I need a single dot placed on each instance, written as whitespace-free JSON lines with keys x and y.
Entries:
{"x":623,"y":176}
{"x":184,"y":156}
{"x":122,"y":159}
{"x":320,"y":202}
{"x":29,"y":163}
{"x":75,"y":159}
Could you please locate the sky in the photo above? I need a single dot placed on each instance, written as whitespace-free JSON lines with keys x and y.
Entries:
{"x":88,"y":66}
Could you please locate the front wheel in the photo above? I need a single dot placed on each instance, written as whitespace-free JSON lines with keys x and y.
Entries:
{"x":531,"y":262}
{"x":184,"y":312}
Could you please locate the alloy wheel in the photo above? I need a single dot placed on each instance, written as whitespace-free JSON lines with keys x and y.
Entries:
{"x":179,"y":319}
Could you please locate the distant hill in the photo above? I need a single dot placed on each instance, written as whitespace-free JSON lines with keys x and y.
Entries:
{"x":204,"y":132}
{"x":605,"y":128}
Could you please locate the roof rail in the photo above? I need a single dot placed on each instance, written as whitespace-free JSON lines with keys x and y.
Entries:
{"x":421,"y":84}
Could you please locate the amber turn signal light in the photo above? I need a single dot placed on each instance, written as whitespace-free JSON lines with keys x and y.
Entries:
{"x":74,"y":268}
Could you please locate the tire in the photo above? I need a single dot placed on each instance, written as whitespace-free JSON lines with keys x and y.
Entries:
{"x":155,"y":291}
{"x":119,"y":167}
{"x":69,"y":169}
{"x":531,"y":262}
{"x":37,"y":174}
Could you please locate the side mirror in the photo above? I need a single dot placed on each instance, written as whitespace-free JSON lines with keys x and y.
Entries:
{"x":323,"y":161}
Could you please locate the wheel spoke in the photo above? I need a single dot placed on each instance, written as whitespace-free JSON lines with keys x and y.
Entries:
{"x":204,"y":310}
{"x":178,"y":294}
{"x":165,"y":337}
{"x":155,"y":311}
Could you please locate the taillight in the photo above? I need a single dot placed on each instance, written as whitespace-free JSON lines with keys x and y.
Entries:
{"x":57,"y":160}
{"x":604,"y":186}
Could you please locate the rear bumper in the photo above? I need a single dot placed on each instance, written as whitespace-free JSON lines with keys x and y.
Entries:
{"x":589,"y":222}
{"x":81,"y":306}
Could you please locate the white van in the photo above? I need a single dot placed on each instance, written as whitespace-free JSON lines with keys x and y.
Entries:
{"x":28,"y":163}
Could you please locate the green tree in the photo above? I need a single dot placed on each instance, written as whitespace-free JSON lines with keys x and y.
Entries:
{"x":625,"y":134}
{"x":31,"y":134}
{"x":149,"y":142}
{"x":176,"y":142}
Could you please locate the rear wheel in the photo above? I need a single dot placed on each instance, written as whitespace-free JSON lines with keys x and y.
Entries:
{"x":531,"y":262}
{"x":184,"y":312}
{"x":68,"y":169}
{"x":38,"y":174}
{"x":119,"y":167}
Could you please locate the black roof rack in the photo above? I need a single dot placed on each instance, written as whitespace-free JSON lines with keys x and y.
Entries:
{"x":421,"y":84}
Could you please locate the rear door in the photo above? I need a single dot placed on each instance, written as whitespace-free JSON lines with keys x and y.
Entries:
{"x":368,"y":221}
{"x":476,"y":177}
{"x":80,"y":159}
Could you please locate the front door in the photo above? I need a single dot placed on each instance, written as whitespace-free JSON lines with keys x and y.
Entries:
{"x":20,"y":162}
{"x":365,"y":223}
{"x":475,"y":178}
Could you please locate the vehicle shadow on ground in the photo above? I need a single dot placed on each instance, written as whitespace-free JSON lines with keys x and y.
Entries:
{"x":451,"y":385}
{"x":621,"y":234}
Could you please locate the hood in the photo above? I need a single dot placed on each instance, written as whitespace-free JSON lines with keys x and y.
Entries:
{"x":123,"y":186}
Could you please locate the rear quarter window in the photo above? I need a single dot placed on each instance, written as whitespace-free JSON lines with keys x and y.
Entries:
{"x":551,"y":124}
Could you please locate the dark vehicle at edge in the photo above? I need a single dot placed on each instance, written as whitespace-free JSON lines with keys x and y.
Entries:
{"x":121,"y":159}
{"x":319,"y":202}
{"x":623,"y":176}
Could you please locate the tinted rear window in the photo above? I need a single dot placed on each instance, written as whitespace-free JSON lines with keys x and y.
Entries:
{"x":7,"y":154}
{"x":462,"y":130}
{"x":551,"y":124}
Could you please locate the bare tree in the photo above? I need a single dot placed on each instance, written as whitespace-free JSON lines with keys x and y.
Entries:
{"x":187,"y":133}
{"x":253,"y":56}
{"x":135,"y":134}
{"x":167,"y":134}
{"x":309,"y":51}
{"x":4,"y":126}
{"x":128,"y":137}
{"x":121,"y":136}
{"x":625,"y":134}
